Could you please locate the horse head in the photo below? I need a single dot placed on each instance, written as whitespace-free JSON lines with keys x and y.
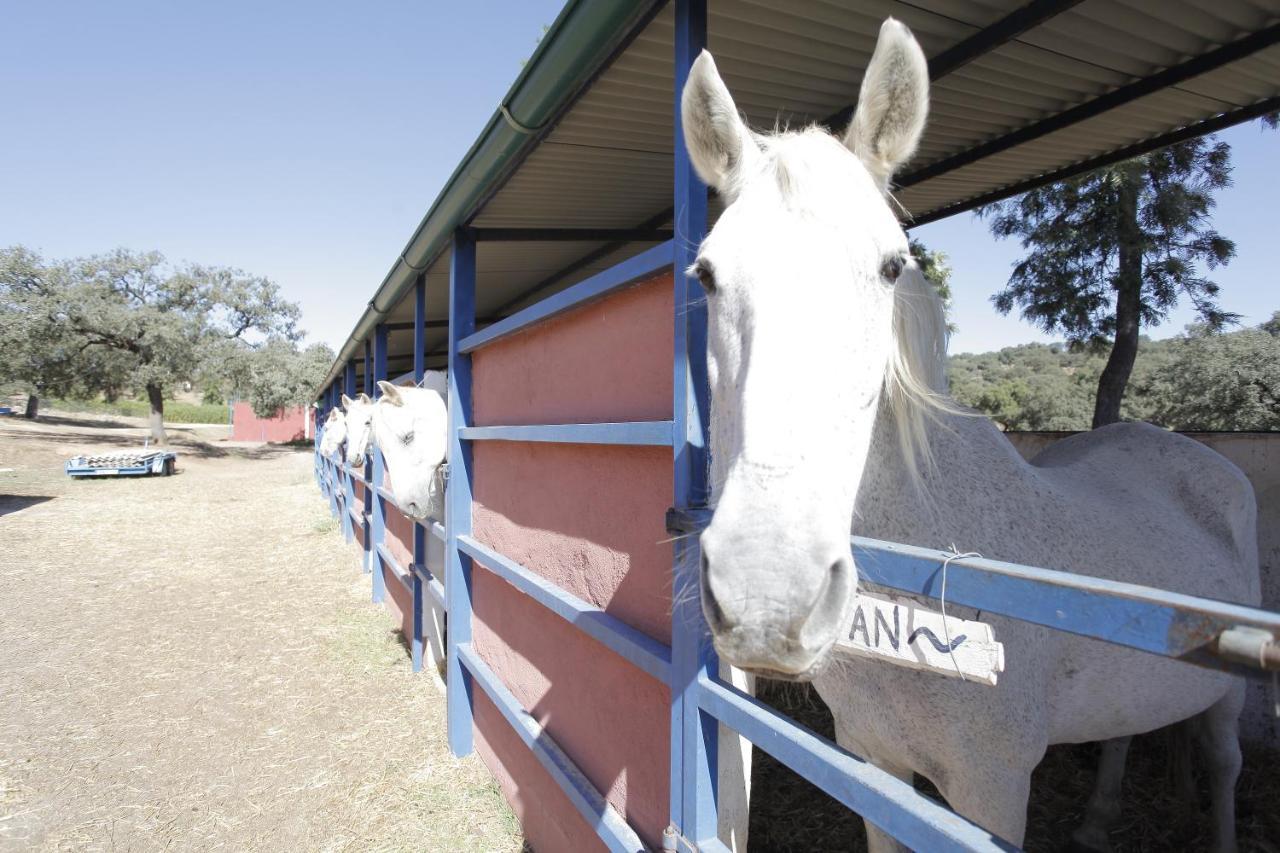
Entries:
{"x":335,"y":432}
{"x":810,"y":289}
{"x":410,"y":427}
{"x":359,"y":427}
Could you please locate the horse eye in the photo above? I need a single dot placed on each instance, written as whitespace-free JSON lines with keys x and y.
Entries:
{"x":891,"y":268}
{"x":706,"y":278}
{"x":407,"y":438}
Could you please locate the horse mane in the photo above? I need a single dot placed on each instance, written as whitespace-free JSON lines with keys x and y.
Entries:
{"x":915,"y":382}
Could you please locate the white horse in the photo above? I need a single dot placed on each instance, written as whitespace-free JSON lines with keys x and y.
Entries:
{"x":359,"y":427}
{"x":410,"y":427}
{"x":826,"y":352}
{"x":335,"y":432}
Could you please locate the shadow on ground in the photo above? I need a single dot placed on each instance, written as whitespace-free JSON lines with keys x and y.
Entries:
{"x":17,"y":503}
{"x":798,"y":816}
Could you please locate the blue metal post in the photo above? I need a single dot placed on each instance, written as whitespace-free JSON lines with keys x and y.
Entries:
{"x":419,"y":532}
{"x":331,"y":481}
{"x":693,"y":741}
{"x":462,"y":322}
{"x":348,"y":487}
{"x":379,"y":531}
{"x":369,"y":496}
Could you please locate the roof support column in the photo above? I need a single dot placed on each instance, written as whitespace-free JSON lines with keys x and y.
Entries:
{"x":348,"y":487}
{"x":369,"y":496}
{"x":419,"y":531}
{"x":693,"y":734}
{"x":462,"y":322}
{"x":378,"y":533}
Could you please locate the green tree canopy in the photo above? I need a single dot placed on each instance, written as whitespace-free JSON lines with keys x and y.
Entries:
{"x":1201,"y":380}
{"x":129,"y":318}
{"x":277,"y":375}
{"x":1115,"y":249}
{"x":936,"y":268}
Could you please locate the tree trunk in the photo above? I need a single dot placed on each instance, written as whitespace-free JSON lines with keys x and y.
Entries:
{"x":155,"y":394}
{"x":33,"y":406}
{"x":1115,"y":376}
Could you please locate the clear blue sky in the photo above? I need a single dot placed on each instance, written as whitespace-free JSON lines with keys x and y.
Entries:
{"x":304,"y":141}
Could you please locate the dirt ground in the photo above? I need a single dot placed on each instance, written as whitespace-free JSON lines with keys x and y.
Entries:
{"x":192,"y":662}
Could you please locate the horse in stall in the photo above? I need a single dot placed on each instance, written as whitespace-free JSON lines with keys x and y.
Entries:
{"x":335,"y":432}
{"x":359,"y":427}
{"x":826,"y":355}
{"x":410,"y":427}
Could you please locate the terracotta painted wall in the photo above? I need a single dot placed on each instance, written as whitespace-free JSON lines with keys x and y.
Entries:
{"x":590,"y":518}
{"x":287,"y":425}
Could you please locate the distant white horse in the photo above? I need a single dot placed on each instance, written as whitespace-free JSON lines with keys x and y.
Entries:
{"x":335,"y":432}
{"x":826,"y":354}
{"x":359,"y":427}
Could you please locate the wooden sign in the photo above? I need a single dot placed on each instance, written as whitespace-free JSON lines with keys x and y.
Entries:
{"x":899,"y":630}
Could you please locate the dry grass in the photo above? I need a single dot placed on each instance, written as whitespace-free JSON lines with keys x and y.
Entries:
{"x":193,"y":662}
{"x":798,"y":817}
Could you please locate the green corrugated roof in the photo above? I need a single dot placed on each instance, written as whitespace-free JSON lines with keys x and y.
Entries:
{"x":585,"y":34}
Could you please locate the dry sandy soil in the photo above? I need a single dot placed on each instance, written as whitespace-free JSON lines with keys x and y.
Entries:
{"x":192,"y":662}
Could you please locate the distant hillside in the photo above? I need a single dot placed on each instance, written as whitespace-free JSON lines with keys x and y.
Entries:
{"x":1197,"y":381}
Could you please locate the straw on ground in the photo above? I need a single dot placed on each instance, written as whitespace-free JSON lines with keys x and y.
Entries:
{"x":193,"y":662}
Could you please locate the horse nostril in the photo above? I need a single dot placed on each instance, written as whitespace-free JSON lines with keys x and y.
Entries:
{"x":711,"y":608}
{"x":829,"y":606}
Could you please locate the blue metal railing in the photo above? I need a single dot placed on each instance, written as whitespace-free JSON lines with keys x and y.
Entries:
{"x":1152,"y":620}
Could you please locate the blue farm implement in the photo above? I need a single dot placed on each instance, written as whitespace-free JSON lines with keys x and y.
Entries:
{"x":137,"y":463}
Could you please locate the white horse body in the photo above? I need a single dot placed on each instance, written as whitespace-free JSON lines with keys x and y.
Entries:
{"x":848,"y":427}
{"x":1128,"y":502}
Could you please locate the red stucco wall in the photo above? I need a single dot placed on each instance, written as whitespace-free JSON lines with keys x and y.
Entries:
{"x":287,"y":425}
{"x":590,"y":518}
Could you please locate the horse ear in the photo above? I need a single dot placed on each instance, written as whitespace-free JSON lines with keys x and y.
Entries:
{"x":363,"y":398}
{"x":346,"y":403}
{"x":719,"y":143}
{"x":390,"y":393}
{"x":892,"y":104}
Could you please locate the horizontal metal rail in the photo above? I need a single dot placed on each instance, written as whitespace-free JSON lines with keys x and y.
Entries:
{"x":634,"y":646}
{"x":351,"y":472}
{"x":586,"y":798}
{"x":636,"y":433}
{"x":890,"y":803}
{"x":355,"y":515}
{"x":432,"y":583}
{"x":432,"y":526}
{"x":584,"y":292}
{"x":1170,"y":624}
{"x":401,"y":574}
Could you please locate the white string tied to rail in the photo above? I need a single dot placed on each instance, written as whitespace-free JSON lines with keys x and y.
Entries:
{"x":946,"y":629}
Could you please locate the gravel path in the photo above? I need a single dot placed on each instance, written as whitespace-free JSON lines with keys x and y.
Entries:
{"x":192,"y":662}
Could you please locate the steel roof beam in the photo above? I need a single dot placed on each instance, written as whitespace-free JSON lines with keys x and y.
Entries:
{"x":571,"y":235}
{"x":1191,"y":131}
{"x":983,"y":41}
{"x":1171,"y":76}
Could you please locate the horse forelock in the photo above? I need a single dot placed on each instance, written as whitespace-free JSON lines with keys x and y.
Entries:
{"x":803,"y":164}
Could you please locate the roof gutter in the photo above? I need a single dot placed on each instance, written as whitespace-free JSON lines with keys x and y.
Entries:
{"x":584,"y":36}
